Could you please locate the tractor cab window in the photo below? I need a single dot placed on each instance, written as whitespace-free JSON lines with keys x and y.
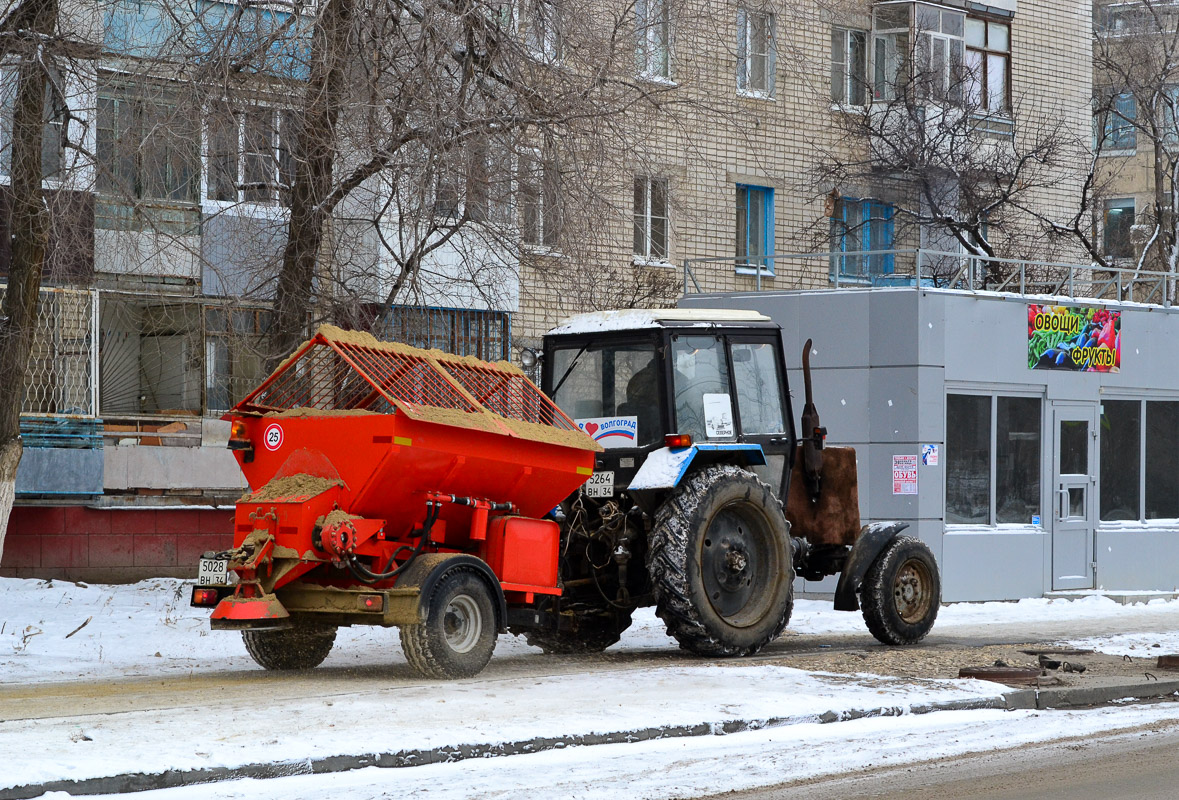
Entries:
{"x":703,"y":407}
{"x":610,"y":391}
{"x":759,"y":388}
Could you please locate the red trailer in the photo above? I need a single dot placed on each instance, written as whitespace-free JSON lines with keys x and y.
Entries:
{"x":392,"y":486}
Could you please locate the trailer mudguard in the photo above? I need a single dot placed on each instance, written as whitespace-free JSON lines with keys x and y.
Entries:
{"x":665,"y":468}
{"x":872,"y":540}
{"x":425,"y":571}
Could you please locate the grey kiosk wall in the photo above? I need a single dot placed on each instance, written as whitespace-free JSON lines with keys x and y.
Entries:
{"x":1022,"y":520}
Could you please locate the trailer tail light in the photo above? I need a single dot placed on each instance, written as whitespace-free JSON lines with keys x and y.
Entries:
{"x":372,"y":602}
{"x":677,"y":440}
{"x":204,"y":597}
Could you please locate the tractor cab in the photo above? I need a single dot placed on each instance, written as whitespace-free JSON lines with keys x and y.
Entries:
{"x":655,"y":387}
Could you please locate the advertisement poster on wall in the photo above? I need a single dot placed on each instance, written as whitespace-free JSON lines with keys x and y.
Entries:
{"x":1076,"y":338}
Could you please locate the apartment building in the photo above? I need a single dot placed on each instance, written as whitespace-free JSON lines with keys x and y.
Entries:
{"x":787,"y":144}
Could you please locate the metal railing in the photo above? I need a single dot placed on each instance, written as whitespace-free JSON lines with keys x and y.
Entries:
{"x":935,"y":269}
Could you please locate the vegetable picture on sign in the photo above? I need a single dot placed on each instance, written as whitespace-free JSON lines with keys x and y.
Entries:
{"x":1074,"y":338}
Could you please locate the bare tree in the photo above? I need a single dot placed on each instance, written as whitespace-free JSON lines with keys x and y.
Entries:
{"x":26,"y":35}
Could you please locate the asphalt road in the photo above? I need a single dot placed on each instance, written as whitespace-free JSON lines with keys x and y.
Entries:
{"x":1134,"y":764}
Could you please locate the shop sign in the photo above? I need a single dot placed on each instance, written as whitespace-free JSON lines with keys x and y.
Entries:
{"x":1075,"y":338}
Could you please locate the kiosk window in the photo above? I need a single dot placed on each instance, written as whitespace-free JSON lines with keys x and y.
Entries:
{"x":1162,"y":460}
{"x":968,"y":459}
{"x":1017,"y":459}
{"x":1120,"y":459}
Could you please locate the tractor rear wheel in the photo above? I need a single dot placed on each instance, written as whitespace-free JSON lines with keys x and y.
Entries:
{"x":720,"y":563}
{"x":595,"y":631}
{"x":298,"y":647}
{"x":901,"y":592}
{"x":458,"y":636}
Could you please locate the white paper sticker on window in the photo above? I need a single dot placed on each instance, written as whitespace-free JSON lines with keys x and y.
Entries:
{"x":718,"y":416}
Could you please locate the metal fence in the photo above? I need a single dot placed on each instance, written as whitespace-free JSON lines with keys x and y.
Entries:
{"x":949,"y":270}
{"x":64,"y":358}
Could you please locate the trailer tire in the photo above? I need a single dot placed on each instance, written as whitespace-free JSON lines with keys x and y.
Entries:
{"x":720,"y":563}
{"x":594,"y":633}
{"x":300,"y":647}
{"x":458,"y":636}
{"x":901,"y":592}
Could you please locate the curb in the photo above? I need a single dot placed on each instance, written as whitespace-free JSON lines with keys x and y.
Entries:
{"x":1020,"y":699}
{"x":169,"y":779}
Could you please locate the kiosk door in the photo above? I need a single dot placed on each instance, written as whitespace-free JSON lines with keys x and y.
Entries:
{"x":1073,"y":497}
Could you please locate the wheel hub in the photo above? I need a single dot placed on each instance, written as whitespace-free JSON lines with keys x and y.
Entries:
{"x":911,"y":591}
{"x":462,"y":624}
{"x":735,"y":558}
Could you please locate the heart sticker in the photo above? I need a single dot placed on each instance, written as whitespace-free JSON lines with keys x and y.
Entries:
{"x":591,"y":428}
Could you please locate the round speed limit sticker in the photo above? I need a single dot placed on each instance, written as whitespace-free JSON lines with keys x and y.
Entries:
{"x":273,"y":437}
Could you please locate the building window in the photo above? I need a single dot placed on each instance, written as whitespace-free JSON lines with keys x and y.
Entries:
{"x":890,"y":48}
{"x":859,"y":226}
{"x":1116,"y":124}
{"x":848,"y":66}
{"x":1121,"y":435}
{"x":755,"y":52}
{"x":939,"y":52}
{"x":1117,"y":221}
{"x":541,"y":20}
{"x":651,"y":222}
{"x":1162,"y":460}
{"x":249,"y":154}
{"x":234,"y":353}
{"x":992,"y":441}
{"x":653,"y":38}
{"x":144,"y":150}
{"x":540,"y":201}
{"x":988,"y":49}
{"x":52,"y":139}
{"x":755,"y":228}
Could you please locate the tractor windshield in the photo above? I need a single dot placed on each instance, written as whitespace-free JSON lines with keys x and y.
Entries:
{"x":610,"y":391}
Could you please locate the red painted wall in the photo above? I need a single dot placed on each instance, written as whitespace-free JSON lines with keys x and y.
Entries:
{"x":111,"y":545}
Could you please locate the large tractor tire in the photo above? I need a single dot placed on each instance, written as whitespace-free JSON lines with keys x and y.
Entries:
{"x":902,"y":592}
{"x":595,"y":631}
{"x":458,"y":636}
{"x":299,"y":647}
{"x":720,"y":563}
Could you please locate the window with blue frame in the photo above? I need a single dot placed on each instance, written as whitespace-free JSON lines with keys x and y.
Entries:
{"x":1118,"y":130}
{"x":755,"y":228}
{"x":857,"y":227}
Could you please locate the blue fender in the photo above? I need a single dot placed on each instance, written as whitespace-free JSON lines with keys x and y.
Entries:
{"x":871,"y":542}
{"x":666,"y":467}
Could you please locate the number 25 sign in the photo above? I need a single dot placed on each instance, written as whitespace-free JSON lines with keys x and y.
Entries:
{"x":273,"y":437}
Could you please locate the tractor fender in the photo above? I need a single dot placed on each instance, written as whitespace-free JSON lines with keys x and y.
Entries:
{"x":665,"y":468}
{"x":872,"y":540}
{"x":426,"y":570}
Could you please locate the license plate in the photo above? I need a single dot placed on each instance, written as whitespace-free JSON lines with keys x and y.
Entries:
{"x":213,"y":572}
{"x":600,"y":484}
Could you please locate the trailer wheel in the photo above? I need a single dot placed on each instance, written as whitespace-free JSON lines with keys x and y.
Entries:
{"x":459,"y":633}
{"x":594,"y":633}
{"x":720,"y":563}
{"x":901,"y":592}
{"x":300,"y":647}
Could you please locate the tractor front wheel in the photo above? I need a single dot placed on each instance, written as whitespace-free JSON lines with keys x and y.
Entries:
{"x":298,"y":647}
{"x":458,"y":636}
{"x":901,"y":592}
{"x":720,"y":563}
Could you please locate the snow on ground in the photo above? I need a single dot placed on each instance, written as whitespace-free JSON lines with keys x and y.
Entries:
{"x":148,"y":629}
{"x":61,"y":631}
{"x":696,"y":766}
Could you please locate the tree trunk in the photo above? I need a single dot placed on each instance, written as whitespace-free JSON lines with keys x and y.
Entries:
{"x":30,"y":237}
{"x":315,"y":151}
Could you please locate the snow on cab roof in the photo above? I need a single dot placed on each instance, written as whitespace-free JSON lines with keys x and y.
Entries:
{"x":630,"y":318}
